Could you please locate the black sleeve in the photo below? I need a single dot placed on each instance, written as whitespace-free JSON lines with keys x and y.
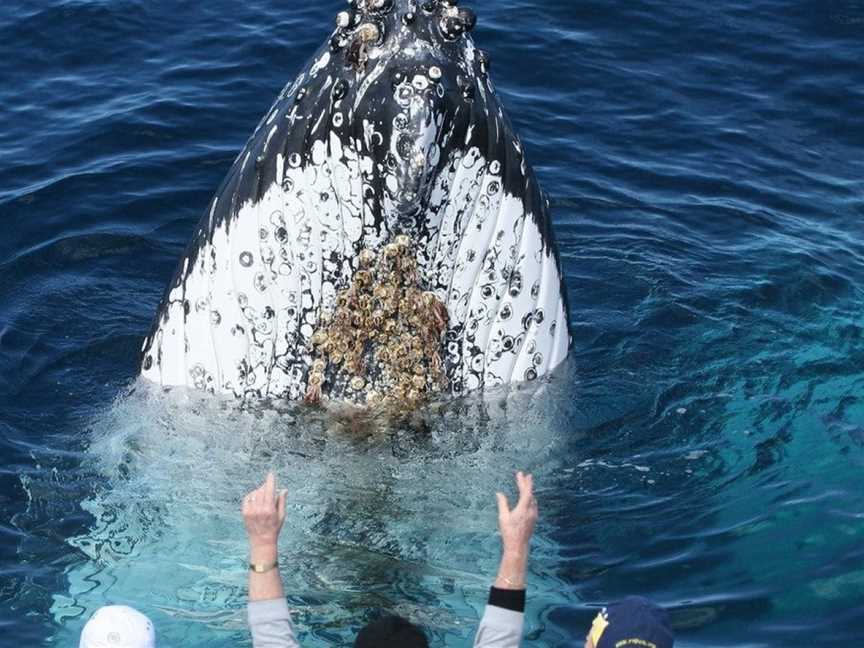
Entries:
{"x":513,"y":600}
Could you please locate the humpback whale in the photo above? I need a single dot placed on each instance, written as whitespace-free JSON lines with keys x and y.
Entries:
{"x":381,"y":237}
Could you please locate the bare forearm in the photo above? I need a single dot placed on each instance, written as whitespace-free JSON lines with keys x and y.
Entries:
{"x":513,"y":569}
{"x":502,"y":623}
{"x":266,"y":586}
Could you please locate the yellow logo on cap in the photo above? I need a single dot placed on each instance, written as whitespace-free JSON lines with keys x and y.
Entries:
{"x":598,"y":628}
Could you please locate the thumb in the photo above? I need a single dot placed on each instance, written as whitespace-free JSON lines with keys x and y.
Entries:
{"x":280,"y":507}
{"x":503,"y":506}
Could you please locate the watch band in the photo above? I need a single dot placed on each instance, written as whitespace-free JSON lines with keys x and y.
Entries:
{"x":263,"y":568}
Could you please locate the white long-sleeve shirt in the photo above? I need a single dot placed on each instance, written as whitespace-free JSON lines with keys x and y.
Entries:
{"x":500,"y":627}
{"x":270,"y":623}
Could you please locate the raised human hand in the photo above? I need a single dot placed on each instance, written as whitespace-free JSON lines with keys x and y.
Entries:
{"x":517,"y":525}
{"x":264,"y":514}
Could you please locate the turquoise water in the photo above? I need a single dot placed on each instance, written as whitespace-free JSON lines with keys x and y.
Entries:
{"x":703,"y":446}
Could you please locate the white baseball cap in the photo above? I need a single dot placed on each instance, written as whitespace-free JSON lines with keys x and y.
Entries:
{"x":118,"y":626}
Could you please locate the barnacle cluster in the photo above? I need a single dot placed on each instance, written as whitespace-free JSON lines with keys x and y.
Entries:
{"x":382,"y":343}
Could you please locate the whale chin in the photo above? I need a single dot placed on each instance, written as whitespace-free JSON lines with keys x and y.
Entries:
{"x":380,"y":238}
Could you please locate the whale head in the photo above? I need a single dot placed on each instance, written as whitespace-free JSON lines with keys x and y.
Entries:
{"x":381,"y":235}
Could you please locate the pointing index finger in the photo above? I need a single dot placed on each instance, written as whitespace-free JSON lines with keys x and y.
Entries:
{"x":270,"y":487}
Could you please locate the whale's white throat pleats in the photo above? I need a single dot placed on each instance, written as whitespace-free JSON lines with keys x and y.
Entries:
{"x":393,"y":130}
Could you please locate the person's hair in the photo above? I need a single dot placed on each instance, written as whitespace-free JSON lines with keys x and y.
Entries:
{"x":391,"y":631}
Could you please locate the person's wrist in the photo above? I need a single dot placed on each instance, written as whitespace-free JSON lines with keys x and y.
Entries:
{"x":263,"y":551}
{"x":514,"y":565}
{"x":516,"y":551}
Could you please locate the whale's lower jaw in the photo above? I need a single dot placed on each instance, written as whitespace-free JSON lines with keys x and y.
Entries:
{"x":410,"y":141}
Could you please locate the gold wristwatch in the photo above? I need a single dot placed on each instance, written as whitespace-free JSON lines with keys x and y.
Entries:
{"x":263,"y":568}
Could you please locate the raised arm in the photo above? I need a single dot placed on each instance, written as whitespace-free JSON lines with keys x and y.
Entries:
{"x":269,"y":617}
{"x":503,"y":620}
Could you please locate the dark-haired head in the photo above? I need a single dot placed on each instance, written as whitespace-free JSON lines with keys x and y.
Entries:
{"x":391,"y":631}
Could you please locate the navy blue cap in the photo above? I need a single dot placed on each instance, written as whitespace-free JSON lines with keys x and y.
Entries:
{"x":635,"y":622}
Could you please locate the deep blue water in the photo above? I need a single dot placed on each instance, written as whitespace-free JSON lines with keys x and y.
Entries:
{"x":704,"y":446}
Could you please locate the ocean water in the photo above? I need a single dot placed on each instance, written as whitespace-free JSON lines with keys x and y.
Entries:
{"x":704,"y":445}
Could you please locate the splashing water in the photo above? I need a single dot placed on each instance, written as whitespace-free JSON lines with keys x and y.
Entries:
{"x":382,"y":514}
